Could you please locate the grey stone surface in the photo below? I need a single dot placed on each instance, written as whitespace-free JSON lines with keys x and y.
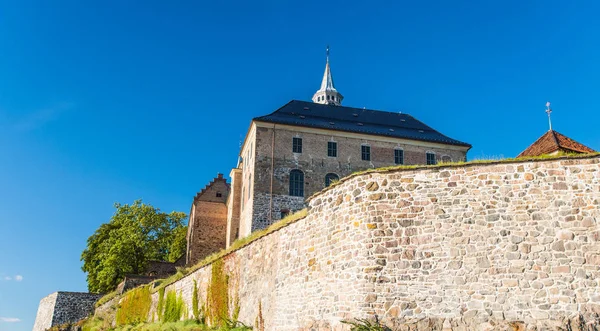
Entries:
{"x":64,"y":307}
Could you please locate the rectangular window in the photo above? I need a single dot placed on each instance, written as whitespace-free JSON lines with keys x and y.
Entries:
{"x":398,"y":156}
{"x":431,"y":158}
{"x":365,"y":153}
{"x":297,"y":145}
{"x":332,"y":149}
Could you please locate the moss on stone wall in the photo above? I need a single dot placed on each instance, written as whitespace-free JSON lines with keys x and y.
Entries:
{"x":161,"y":304}
{"x":218,"y":295}
{"x":174,"y":308}
{"x":134,"y":306}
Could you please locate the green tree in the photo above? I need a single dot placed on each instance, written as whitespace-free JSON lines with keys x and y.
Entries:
{"x":134,"y":235}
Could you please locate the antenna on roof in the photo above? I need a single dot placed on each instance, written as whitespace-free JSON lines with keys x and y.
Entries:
{"x":549,"y":111}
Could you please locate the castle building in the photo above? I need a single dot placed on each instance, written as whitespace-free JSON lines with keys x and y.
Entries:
{"x":302,"y":147}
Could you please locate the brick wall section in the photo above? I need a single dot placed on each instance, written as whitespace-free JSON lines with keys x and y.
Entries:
{"x":64,"y":307}
{"x":207,"y":228}
{"x":233,"y":206}
{"x":472,"y":247}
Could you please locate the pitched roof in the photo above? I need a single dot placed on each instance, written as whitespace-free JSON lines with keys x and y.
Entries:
{"x":366,"y":121}
{"x":553,"y":141}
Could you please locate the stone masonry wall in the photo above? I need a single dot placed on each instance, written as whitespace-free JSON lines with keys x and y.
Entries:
{"x":64,"y":307}
{"x":281,"y":204}
{"x":43,"y":319}
{"x":473,"y":247}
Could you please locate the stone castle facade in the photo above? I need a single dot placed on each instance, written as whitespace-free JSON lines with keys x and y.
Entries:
{"x":298,"y":150}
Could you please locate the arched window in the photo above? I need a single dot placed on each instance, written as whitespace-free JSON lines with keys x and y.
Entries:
{"x":296,"y":183}
{"x":330,"y":178}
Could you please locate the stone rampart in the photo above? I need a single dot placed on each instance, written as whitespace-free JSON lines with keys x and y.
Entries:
{"x":476,"y":246}
{"x":64,"y":307}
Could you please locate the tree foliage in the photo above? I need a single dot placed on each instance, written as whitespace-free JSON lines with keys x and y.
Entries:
{"x":135,"y":234}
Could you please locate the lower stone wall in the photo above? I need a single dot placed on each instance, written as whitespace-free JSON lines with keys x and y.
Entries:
{"x":473,"y":247}
{"x":64,"y":307}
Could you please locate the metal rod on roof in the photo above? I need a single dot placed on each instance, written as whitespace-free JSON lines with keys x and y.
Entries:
{"x":549,"y":111}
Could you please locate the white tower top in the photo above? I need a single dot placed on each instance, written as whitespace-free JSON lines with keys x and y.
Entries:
{"x":327,"y":94}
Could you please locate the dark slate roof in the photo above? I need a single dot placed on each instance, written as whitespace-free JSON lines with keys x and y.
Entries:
{"x":367,"y":121}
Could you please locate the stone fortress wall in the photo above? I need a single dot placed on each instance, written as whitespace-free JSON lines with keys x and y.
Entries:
{"x":64,"y":307}
{"x":476,"y":246}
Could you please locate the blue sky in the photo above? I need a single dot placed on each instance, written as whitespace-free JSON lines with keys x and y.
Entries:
{"x":111,"y":101}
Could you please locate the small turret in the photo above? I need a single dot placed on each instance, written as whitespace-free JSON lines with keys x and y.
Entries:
{"x":327,"y":94}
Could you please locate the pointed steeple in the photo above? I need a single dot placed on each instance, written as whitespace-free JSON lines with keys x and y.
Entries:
{"x":327,"y":94}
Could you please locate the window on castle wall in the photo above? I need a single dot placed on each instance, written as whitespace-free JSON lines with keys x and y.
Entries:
{"x":446,"y":159}
{"x":398,"y":156}
{"x":365,"y":153}
{"x":332,"y":149}
{"x":219,"y":194}
{"x":296,"y":183}
{"x":431,"y":158}
{"x":297,"y":145}
{"x":331,"y":178}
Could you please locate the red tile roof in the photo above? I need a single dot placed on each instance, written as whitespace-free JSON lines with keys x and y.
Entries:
{"x":553,"y":141}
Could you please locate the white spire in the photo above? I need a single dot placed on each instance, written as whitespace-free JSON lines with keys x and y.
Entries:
{"x":327,"y":94}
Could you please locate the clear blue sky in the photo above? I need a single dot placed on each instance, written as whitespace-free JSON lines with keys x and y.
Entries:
{"x":111,"y":101}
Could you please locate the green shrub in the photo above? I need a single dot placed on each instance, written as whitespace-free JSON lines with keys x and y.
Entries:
{"x":134,"y":307}
{"x":195,"y":309}
{"x":160,"y":307}
{"x":173,"y":307}
{"x":218,"y":295}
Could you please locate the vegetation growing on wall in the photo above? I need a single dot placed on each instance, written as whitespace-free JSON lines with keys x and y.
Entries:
{"x":195,"y":309}
{"x":238,"y":244}
{"x":366,"y":325}
{"x":134,"y":307}
{"x":160,"y":306}
{"x":95,"y":324}
{"x":174,"y":307}
{"x":217,"y":295}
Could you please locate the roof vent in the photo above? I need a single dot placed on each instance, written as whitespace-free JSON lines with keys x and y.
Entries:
{"x":355,"y":115}
{"x":421,"y":131}
{"x":359,"y":124}
{"x":331,"y":123}
{"x":306,"y":108}
{"x":302,"y":116}
{"x":391,"y":130}
{"x":402,"y":120}
{"x":293,"y":113}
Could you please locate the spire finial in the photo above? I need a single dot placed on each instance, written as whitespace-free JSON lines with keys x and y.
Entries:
{"x":327,"y":53}
{"x":549,"y":111}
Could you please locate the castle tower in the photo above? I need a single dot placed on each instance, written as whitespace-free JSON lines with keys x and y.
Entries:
{"x":327,"y":94}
